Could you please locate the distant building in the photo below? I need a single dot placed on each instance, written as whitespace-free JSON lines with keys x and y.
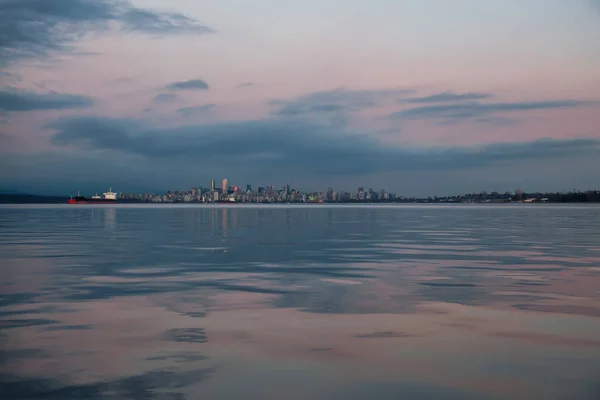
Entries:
{"x":225,"y":187}
{"x":330,"y":194}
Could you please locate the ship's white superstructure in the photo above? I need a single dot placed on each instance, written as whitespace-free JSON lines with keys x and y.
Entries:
{"x":110,"y":195}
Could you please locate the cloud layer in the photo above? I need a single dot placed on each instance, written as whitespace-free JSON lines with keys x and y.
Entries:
{"x":300,"y":147}
{"x":473,"y":110}
{"x":449,"y":96}
{"x":21,"y":100}
{"x":336,"y":101}
{"x":164,"y":98}
{"x":196,"y":110}
{"x":307,"y":136}
{"x":188,"y":85}
{"x":33,"y":28}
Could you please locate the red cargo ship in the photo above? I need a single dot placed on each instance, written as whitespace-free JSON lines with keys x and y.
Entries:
{"x":110,"y":197}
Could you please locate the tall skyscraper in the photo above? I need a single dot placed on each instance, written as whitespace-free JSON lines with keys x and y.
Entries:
{"x":225,"y":185}
{"x":212,"y":185}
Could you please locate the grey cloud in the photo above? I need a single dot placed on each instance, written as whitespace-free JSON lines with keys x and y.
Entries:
{"x":34,"y":28}
{"x":303,"y":148}
{"x":191,"y":111}
{"x":473,"y":110}
{"x":449,"y":96}
{"x":294,"y":109}
{"x":147,"y":21}
{"x":47,"y":83}
{"x":165,"y":98}
{"x":103,"y":133}
{"x":336,"y":101}
{"x":245,"y":84}
{"x":188,"y":85}
{"x":20,"y":100}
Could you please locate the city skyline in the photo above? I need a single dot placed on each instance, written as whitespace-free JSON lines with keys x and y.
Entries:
{"x":235,"y":187}
{"x":418,"y":96}
{"x":288,"y":193}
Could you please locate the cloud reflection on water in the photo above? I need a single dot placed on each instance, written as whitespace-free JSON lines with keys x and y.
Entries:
{"x":93,"y":297}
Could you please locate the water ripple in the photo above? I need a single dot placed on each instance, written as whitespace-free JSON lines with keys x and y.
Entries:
{"x":299,"y":302}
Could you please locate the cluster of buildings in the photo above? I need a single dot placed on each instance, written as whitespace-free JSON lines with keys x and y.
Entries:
{"x":286,"y":194}
{"x":263,"y":194}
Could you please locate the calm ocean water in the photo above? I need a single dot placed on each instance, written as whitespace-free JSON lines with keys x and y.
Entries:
{"x":291,"y":302}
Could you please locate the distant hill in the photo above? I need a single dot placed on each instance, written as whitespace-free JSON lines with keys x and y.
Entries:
{"x":22,"y":198}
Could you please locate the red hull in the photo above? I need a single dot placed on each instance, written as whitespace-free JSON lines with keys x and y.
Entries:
{"x":72,"y":201}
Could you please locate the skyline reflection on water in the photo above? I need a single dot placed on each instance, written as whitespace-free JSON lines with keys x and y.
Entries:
{"x":320,"y":302}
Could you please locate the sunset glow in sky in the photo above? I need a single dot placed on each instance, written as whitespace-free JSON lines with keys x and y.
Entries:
{"x":420,"y":97}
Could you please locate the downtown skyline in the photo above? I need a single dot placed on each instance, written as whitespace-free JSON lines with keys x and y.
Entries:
{"x":287,"y":193}
{"x":362,"y":194}
{"x":419,"y":97}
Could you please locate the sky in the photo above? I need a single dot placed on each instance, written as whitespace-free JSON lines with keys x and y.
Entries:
{"x":418,"y":97}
